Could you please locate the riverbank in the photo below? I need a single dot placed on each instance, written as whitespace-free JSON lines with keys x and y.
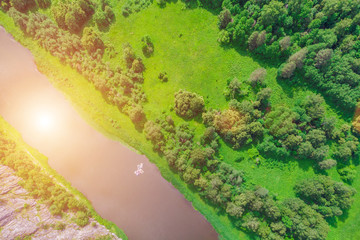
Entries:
{"x":23,"y":216}
{"x":41,"y":161}
{"x":111,"y":122}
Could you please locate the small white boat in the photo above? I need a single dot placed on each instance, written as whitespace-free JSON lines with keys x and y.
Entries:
{"x":139,"y":169}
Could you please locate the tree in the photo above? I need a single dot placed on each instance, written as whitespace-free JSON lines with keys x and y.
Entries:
{"x":298,"y":57}
{"x":43,"y":3}
{"x":257,"y":77}
{"x":322,"y":57}
{"x":138,"y":66}
{"x":224,"y":37}
{"x":92,"y":41}
{"x":136,"y":114}
{"x":292,"y":142}
{"x":305,"y":149}
{"x":313,"y":105}
{"x":322,"y":192}
{"x":287,"y":70}
{"x":147,"y":45}
{"x":263,"y":95}
{"x":272,"y":12}
{"x":101,"y":19}
{"x":280,"y":122}
{"x":297,"y":214}
{"x":191,"y":175}
{"x":224,"y":18}
{"x":327,"y":164}
{"x":154,"y":134}
{"x":129,"y":55}
{"x":209,"y":135}
{"x":328,"y":125}
{"x":23,"y":5}
{"x":233,"y":90}
{"x":316,"y":137}
{"x":252,"y":41}
{"x":285,"y":43}
{"x":198,"y":157}
{"x":188,"y":104}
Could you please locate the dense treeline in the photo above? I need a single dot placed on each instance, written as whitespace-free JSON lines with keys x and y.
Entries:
{"x":252,"y":209}
{"x":39,"y":185}
{"x":319,"y":39}
{"x":121,"y":87}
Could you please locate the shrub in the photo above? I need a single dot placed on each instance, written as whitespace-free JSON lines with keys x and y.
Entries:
{"x":257,"y":77}
{"x":188,"y":104}
{"x":81,"y":219}
{"x":163,"y":77}
{"x":327,"y":164}
{"x":147,"y":46}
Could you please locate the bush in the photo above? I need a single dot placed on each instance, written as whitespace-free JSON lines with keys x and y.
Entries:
{"x":257,"y":77}
{"x":23,"y":5}
{"x":147,"y":46}
{"x":60,"y":226}
{"x":81,"y":219}
{"x":188,"y":105}
{"x":327,"y":164}
{"x":163,"y":77}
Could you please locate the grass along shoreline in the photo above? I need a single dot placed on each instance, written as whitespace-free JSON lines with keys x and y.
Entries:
{"x":40,"y":160}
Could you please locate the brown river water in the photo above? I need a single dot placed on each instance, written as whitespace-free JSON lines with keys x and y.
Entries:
{"x":145,"y":206}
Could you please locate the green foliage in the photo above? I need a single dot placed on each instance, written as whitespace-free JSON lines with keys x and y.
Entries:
{"x":148,"y":46}
{"x":224,"y":18}
{"x":23,"y":5}
{"x":60,"y":226}
{"x":133,"y":6}
{"x":188,"y":105}
{"x":326,"y":196}
{"x":280,"y":122}
{"x":257,"y":77}
{"x":39,"y":184}
{"x":92,"y":41}
{"x":81,"y":219}
{"x":163,"y":77}
{"x":43,"y":3}
{"x":224,"y":37}
{"x":327,"y":164}
{"x":233,"y":90}
{"x":72,"y":16}
{"x":297,"y":214}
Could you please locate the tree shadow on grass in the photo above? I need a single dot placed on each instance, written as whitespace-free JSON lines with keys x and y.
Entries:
{"x":344,"y":216}
{"x":106,"y":29}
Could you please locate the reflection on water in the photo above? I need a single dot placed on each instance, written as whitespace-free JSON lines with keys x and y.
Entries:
{"x":145,"y":206}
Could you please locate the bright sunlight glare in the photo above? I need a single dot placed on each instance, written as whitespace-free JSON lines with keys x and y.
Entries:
{"x":45,"y":121}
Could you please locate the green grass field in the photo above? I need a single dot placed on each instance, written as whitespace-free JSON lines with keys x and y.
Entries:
{"x":195,"y":62}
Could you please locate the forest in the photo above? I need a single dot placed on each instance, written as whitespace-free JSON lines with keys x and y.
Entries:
{"x":289,"y":106}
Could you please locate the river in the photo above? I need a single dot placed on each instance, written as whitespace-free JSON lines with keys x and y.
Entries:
{"x":145,"y":206}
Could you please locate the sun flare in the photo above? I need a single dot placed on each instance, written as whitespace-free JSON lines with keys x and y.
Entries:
{"x":45,"y":121}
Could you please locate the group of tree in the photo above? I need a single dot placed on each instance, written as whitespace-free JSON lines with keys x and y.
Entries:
{"x":104,"y":15}
{"x":252,"y":209}
{"x":133,"y":6}
{"x":305,"y":132}
{"x":326,"y":196}
{"x":72,"y":15}
{"x":319,"y":39}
